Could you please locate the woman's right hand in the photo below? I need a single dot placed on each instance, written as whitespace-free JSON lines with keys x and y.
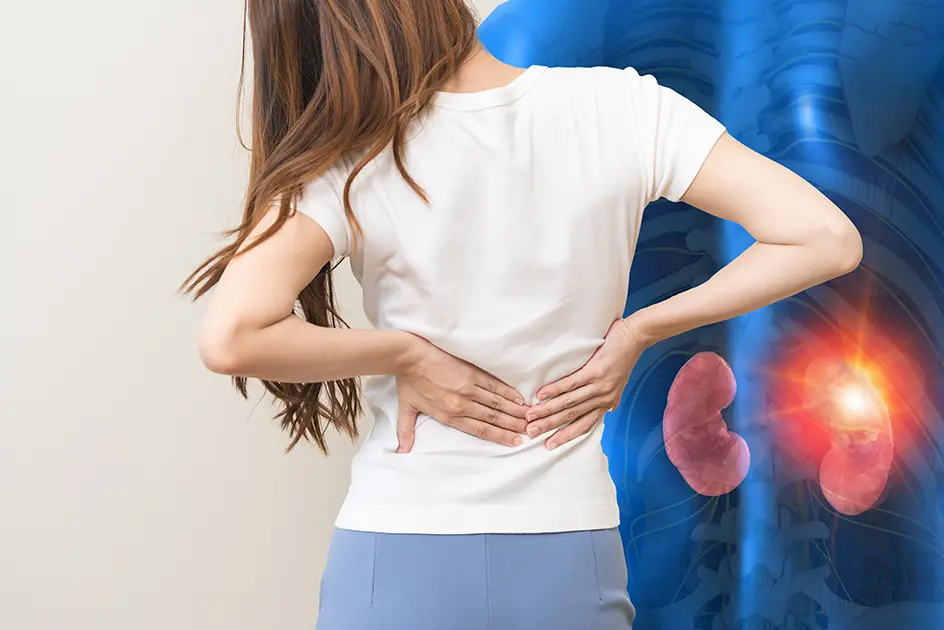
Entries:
{"x":456,"y":394}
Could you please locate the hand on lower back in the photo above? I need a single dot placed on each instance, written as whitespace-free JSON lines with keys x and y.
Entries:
{"x":457,"y":394}
{"x":576,"y":403}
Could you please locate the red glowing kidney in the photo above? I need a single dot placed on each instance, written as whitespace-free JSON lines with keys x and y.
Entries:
{"x":712,"y":459}
{"x":854,"y":472}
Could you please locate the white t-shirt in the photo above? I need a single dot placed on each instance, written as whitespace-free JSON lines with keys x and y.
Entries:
{"x":518,"y":264}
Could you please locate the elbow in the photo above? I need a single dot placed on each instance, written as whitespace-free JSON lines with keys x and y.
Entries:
{"x":843,"y":248}
{"x":850,"y":250}
{"x":220,"y":350}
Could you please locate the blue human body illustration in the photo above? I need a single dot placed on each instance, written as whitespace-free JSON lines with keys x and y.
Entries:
{"x":850,"y":95}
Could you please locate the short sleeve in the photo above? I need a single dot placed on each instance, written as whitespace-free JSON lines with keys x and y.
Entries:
{"x":675,"y":136}
{"x":322,"y":202}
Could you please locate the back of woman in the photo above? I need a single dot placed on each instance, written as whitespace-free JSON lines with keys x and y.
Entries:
{"x":517,"y":262}
{"x":491,"y":215}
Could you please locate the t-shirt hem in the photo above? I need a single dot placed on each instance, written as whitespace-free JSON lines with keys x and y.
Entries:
{"x":701,"y":144}
{"x":336,"y":232}
{"x":479,"y":520}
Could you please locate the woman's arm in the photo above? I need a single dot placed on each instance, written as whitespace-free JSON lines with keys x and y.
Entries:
{"x":803,"y":240}
{"x":250,"y":329}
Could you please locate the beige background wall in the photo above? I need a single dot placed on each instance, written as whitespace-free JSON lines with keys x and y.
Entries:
{"x":136,"y":489}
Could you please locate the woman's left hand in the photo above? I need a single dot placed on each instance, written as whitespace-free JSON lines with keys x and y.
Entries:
{"x":579,"y":401}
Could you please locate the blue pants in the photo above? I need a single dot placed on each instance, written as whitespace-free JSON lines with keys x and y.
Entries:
{"x":572,"y":581}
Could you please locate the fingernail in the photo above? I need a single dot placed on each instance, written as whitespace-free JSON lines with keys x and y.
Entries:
{"x":551,"y":446}
{"x":542,"y":396}
{"x":521,"y":401}
{"x":531,"y":416}
{"x":534,"y":430}
{"x":518,"y":441}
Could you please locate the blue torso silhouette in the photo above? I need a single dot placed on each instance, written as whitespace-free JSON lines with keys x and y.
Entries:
{"x":849,"y":94}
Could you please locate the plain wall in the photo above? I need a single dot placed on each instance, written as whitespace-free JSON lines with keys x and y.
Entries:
{"x":137,"y":490}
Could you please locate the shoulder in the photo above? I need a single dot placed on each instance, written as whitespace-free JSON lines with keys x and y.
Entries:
{"x":594,"y":78}
{"x":331,"y":182}
{"x":596,"y":87}
{"x":595,"y":91}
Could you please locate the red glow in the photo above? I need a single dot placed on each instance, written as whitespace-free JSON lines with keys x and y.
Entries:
{"x":836,"y":406}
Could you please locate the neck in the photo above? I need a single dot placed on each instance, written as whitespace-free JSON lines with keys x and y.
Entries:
{"x":481,"y":71}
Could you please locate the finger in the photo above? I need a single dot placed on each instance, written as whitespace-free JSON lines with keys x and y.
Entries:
{"x":498,"y":403}
{"x":567,"y":416}
{"x":583,"y":426}
{"x":564,"y":385}
{"x":406,"y":429}
{"x":491,"y":384}
{"x":496,"y":418}
{"x":487,"y":432}
{"x":563,"y":402}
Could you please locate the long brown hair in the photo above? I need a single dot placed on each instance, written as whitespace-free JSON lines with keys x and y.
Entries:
{"x":332,"y":78}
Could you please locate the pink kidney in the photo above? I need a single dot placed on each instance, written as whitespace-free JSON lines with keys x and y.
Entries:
{"x":855,"y":471}
{"x":712,"y":459}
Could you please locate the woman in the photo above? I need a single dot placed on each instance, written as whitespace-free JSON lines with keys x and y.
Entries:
{"x":490,"y":214}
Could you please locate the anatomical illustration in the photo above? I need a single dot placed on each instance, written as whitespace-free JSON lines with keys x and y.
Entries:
{"x":784,"y":470}
{"x":855,"y":471}
{"x":712,"y":459}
